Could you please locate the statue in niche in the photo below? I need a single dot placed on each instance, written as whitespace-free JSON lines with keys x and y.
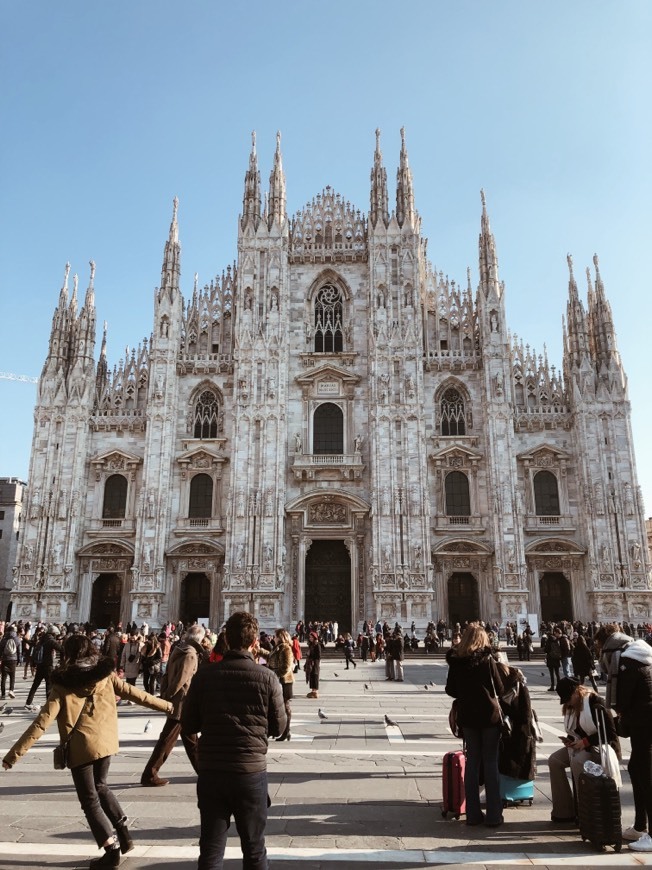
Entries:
{"x":380,"y":298}
{"x":629,"y":500}
{"x":151,"y":506}
{"x":417,"y":557}
{"x":387,"y":556}
{"x":158,"y":387}
{"x":357,"y":444}
{"x":56,"y":555}
{"x":636,"y":554}
{"x":147,"y":556}
{"x":604,"y":557}
{"x":308,"y":332}
{"x":298,"y":447}
{"x":239,"y":556}
{"x":499,"y":384}
{"x":240,"y":502}
{"x":29,"y":555}
{"x":511,"y":557}
{"x":493,"y":322}
{"x":220,"y":421}
{"x":409,"y":386}
{"x":599,"y":497}
{"x":62,"y":508}
{"x":35,"y":511}
{"x":273,"y":302}
{"x":383,"y":387}
{"x":271,"y":387}
{"x":267,"y":554}
{"x":385,"y":501}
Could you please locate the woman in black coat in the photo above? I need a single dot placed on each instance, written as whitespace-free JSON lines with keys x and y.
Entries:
{"x":313,"y":664}
{"x":475,"y":681}
{"x":583,"y":662}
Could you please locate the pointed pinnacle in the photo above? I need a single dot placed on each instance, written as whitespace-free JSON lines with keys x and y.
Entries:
{"x":253,"y":143}
{"x":65,"y":276}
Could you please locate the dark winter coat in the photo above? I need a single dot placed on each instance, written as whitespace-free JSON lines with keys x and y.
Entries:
{"x":517,"y":753}
{"x":5,"y":655}
{"x":83,"y":698}
{"x":583,"y":662}
{"x":470,"y":681}
{"x":235,"y":704}
{"x":634,"y":701}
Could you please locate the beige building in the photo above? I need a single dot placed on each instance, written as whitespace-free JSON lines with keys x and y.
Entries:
{"x":333,"y":429}
{"x":12,"y":495}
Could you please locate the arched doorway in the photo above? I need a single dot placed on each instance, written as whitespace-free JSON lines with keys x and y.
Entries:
{"x":328,"y":584}
{"x":195,"y":599}
{"x":463,"y":600}
{"x":105,"y":603}
{"x":556,"y":602}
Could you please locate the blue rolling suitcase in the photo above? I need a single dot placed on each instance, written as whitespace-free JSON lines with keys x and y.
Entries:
{"x":516,"y":791}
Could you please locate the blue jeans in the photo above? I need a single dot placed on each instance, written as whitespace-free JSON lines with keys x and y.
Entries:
{"x":243,"y":796}
{"x":482,"y":751}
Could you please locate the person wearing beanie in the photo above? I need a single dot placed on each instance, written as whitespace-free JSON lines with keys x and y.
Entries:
{"x":581,"y":708}
{"x":628,"y":665}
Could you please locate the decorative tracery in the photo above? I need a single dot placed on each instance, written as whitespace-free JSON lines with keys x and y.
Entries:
{"x":207,"y":415}
{"x":328,"y":320}
{"x":453,"y":421}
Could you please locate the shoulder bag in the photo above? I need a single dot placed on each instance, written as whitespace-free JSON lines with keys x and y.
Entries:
{"x":60,"y":752}
{"x":505,"y":721}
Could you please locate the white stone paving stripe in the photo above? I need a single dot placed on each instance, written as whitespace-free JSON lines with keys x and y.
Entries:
{"x":429,"y":857}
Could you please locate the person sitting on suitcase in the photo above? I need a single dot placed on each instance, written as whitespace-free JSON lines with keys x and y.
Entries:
{"x":628,"y":665}
{"x":581,"y":708}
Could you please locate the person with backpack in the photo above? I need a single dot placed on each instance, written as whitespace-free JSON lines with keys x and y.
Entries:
{"x":43,"y":657}
{"x":553,"y":657}
{"x":566,"y":654}
{"x":9,"y":659}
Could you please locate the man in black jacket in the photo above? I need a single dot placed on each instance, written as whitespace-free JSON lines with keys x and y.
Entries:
{"x":235,"y":705}
{"x":43,"y":657}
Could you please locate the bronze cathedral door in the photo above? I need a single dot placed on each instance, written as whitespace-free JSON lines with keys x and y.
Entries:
{"x":328,"y":584}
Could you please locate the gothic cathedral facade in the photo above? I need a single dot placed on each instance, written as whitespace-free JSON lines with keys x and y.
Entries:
{"x":332,"y":429}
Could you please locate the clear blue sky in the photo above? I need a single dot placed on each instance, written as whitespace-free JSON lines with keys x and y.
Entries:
{"x":109,"y":110}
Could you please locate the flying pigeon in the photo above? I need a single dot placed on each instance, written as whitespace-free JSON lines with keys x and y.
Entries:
{"x":388,"y":721}
{"x":366,"y":685}
{"x":321,"y":714}
{"x":148,"y":726}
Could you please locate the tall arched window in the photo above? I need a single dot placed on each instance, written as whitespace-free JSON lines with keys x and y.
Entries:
{"x":328,"y":429}
{"x":546,"y":494}
{"x":201,"y":497}
{"x":458,"y":499}
{"x":452,"y":413}
{"x":207,"y":410}
{"x":115,"y":497}
{"x":328,"y":320}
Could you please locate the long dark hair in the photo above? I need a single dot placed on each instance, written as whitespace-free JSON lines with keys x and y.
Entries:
{"x":77,"y":647}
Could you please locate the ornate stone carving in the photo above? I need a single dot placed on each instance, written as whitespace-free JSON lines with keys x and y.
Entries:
{"x":324,"y":514}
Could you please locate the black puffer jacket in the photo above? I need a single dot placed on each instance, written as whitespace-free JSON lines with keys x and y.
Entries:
{"x":235,"y":704}
{"x":469,"y":680}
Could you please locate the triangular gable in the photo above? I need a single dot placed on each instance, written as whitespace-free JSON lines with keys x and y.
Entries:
{"x":325,"y":372}
{"x":544,"y":447}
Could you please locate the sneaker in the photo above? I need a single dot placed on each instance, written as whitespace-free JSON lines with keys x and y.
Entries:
{"x":632,"y":834}
{"x":643,"y":844}
{"x":12,"y":694}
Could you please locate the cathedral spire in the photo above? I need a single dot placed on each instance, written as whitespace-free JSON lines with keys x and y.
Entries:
{"x":251,"y":200}
{"x":171,"y":269}
{"x":404,"y":192}
{"x":379,"y":199}
{"x":487,"y":255}
{"x":577,"y":334}
{"x":604,"y":335}
{"x":276,"y":200}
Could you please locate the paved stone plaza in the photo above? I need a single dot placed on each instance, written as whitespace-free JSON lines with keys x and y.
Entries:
{"x":345,"y":791}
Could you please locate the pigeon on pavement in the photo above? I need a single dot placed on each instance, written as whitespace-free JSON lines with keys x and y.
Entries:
{"x":148,"y":726}
{"x":431,"y":683}
{"x":8,"y":711}
{"x":388,"y":721}
{"x":426,"y":687}
{"x":335,"y":675}
{"x":2,"y":727}
{"x":321,"y":714}
{"x":366,"y":685}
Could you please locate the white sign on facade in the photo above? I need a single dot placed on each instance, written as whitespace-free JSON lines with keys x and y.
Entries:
{"x":328,"y":388}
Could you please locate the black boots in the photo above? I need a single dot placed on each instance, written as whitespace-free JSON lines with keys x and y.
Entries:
{"x":124,"y":838}
{"x":110,"y":858}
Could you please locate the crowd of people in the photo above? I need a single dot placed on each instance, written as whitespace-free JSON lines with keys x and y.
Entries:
{"x":86,"y":674}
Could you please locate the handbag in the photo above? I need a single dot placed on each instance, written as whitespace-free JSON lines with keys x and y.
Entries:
{"x":60,"y":754}
{"x":453,"y":724}
{"x":608,"y":757}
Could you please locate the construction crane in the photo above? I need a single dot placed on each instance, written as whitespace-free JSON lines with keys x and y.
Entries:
{"x":25,"y":379}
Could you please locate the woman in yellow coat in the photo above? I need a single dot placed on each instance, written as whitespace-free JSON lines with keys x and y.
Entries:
{"x":82,"y":700}
{"x":281,"y":661}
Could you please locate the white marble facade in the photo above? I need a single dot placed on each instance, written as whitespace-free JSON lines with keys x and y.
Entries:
{"x":332,"y":423}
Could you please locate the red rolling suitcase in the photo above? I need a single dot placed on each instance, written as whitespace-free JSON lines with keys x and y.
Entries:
{"x":454,"y":798}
